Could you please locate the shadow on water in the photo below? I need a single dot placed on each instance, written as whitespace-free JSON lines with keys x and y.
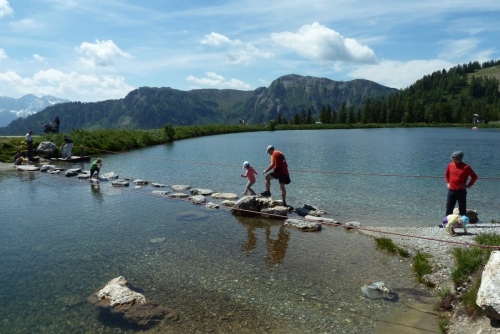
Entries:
{"x":108,"y":319}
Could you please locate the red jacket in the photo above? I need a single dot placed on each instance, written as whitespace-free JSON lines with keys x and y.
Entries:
{"x":457,"y":175}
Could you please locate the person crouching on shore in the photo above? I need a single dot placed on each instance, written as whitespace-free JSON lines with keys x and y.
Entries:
{"x":454,"y":221}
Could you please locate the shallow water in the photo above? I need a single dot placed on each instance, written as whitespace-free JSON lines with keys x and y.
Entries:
{"x":62,"y":239}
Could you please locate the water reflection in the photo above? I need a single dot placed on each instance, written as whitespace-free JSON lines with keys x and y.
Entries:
{"x":96,"y":191}
{"x":275,"y":233}
{"x":30,"y":176}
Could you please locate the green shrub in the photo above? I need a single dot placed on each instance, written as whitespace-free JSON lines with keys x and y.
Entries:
{"x":386,"y":244}
{"x":490,"y":239}
{"x":421,"y":265}
{"x":467,"y":262}
{"x":389,"y":246}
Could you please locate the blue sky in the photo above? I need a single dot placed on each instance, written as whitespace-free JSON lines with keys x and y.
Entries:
{"x":87,"y":50}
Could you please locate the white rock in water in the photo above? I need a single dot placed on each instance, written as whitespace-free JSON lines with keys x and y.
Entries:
{"x":211,"y":205}
{"x":377,"y":290}
{"x":159,"y":192}
{"x":224,"y":196}
{"x":117,"y":293}
{"x":180,"y":187}
{"x":197,"y":199}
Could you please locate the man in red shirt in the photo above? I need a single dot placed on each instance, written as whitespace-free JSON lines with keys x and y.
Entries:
{"x":280,"y":171}
{"x":457,"y":178}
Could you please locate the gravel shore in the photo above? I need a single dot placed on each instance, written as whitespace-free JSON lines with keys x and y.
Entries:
{"x":435,"y":241}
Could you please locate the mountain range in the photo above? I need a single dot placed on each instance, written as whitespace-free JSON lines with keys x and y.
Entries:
{"x":12,"y":108}
{"x":150,"y":107}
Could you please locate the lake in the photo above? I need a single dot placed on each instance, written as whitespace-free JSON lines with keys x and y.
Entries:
{"x":63,"y":239}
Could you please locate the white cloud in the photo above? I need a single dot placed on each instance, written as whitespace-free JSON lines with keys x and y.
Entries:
{"x":38,"y":58}
{"x":26,"y":25}
{"x":71,"y":85}
{"x":458,"y":49}
{"x":215,"y":39}
{"x":318,"y":42}
{"x":101,"y":53}
{"x":212,"y":79}
{"x":398,"y":74}
{"x":465,"y":50}
{"x":5,"y":8}
{"x":237,"y":52}
{"x":3,"y":55}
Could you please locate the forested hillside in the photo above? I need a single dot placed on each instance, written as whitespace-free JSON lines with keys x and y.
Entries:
{"x":452,"y":96}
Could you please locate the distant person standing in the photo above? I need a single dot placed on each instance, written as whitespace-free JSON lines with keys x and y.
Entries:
{"x":67,"y":147}
{"x":56,"y":123}
{"x":280,"y":171}
{"x":29,"y":144}
{"x":250,"y":174}
{"x":459,"y":176}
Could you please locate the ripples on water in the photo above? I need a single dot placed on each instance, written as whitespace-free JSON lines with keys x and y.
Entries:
{"x":63,"y":239}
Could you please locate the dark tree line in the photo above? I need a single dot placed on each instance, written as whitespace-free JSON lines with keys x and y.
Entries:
{"x":452,"y":96}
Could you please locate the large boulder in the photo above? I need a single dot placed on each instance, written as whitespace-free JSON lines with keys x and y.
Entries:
{"x":119,"y":299}
{"x":47,"y":148}
{"x":252,"y":205}
{"x":488,"y":296}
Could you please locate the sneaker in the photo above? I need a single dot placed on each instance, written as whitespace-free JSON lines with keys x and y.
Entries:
{"x":266,"y":193}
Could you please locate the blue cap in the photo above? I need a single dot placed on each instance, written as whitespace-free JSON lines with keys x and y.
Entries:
{"x":465,"y":221}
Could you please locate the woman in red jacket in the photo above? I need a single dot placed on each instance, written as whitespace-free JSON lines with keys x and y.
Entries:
{"x":459,"y":176}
